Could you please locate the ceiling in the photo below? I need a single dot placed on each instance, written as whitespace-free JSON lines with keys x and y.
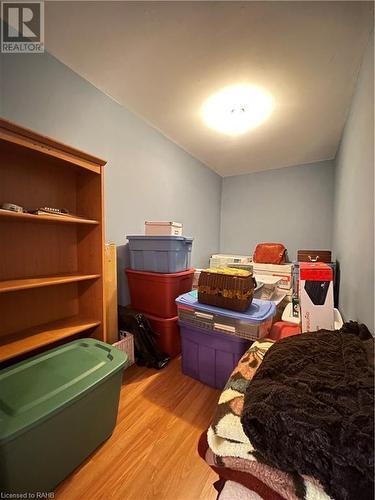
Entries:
{"x":162,"y":60}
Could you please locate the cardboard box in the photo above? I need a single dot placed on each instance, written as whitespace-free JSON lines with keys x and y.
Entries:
{"x":282,"y":271}
{"x":223,"y":259}
{"x":163,"y":228}
{"x":316,"y":296}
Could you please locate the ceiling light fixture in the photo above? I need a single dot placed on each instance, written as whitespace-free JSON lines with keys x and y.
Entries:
{"x":235,"y":110}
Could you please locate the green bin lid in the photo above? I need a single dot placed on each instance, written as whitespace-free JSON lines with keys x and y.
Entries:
{"x":38,"y":387}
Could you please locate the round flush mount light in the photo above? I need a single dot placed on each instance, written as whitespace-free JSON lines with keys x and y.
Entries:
{"x":235,"y":110}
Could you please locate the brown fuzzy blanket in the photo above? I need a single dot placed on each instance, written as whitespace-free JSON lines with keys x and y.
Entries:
{"x":310,"y":409}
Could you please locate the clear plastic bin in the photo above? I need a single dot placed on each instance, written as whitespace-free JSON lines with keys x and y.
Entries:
{"x":253,"y":324}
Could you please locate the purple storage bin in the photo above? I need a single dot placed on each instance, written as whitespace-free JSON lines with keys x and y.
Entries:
{"x":210,"y":356}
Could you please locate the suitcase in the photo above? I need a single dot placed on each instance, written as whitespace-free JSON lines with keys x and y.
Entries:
{"x":314,"y":256}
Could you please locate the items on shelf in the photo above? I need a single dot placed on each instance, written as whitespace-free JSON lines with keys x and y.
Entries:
{"x":160,"y":254}
{"x":224,"y":260}
{"x":163,"y":228}
{"x":227,"y":288}
{"x":50,"y":211}
{"x":316,"y":296}
{"x":12,"y":207}
{"x":56,"y":212}
{"x":270,"y":253}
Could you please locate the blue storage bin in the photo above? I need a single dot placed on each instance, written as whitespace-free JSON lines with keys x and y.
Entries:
{"x":160,"y":254}
{"x":253,"y":324}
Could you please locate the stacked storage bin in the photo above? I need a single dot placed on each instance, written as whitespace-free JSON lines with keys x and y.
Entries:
{"x":214,"y":339}
{"x":159,"y":272}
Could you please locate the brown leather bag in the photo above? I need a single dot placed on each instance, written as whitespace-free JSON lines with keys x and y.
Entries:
{"x":269,"y":253}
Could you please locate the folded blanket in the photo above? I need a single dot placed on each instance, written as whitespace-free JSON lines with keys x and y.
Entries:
{"x":227,"y":474}
{"x":226,"y":436}
{"x":309,"y":410}
{"x":236,"y":491}
{"x":230,"y":448}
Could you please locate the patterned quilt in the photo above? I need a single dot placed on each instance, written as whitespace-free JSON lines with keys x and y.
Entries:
{"x":229,"y":447}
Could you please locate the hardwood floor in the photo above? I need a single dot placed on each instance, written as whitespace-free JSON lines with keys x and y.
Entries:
{"x":152,"y":453}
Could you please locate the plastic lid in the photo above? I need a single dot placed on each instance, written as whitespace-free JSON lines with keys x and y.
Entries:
{"x":176,"y":238}
{"x":163,"y":223}
{"x":258,"y":312}
{"x":36,"y":388}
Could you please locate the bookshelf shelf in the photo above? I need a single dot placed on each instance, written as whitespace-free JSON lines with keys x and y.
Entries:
{"x":32,"y":338}
{"x":24,"y":284}
{"x":16,"y":216}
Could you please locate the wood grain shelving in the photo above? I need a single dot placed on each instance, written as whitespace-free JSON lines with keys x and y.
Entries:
{"x":16,"y":216}
{"x":33,"y":338}
{"x":24,"y":284}
{"x":51,"y":267}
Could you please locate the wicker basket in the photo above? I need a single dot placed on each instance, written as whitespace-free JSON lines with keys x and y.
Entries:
{"x":126,"y":345}
{"x":227,"y":288}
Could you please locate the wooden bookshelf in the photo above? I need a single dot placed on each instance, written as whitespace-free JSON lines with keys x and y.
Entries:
{"x":51,"y":267}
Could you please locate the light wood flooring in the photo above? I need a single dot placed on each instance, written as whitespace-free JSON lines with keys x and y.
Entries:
{"x":152,"y":453}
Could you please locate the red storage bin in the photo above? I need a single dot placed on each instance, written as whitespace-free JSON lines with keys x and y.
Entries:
{"x":168,"y":332}
{"x":283,"y":329}
{"x":155,"y":293}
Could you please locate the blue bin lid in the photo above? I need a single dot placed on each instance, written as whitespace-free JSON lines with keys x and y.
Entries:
{"x":187,"y":239}
{"x":258,"y":312}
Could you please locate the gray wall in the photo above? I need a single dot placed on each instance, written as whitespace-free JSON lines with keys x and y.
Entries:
{"x":147,"y":176}
{"x":291,"y":205}
{"x":354,"y":201}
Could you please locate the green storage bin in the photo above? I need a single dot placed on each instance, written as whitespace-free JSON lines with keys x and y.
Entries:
{"x":55,"y":409}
